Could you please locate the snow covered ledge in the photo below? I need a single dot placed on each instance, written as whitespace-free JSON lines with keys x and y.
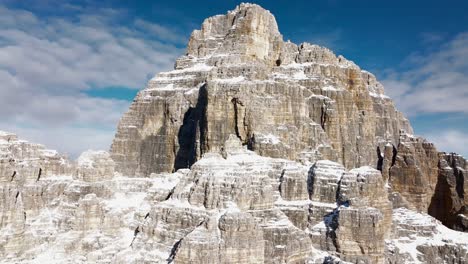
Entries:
{"x":420,"y":238}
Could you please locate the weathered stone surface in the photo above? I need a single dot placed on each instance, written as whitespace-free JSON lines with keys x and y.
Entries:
{"x":419,"y":238}
{"x":22,"y":162}
{"x":95,"y":166}
{"x":237,"y":238}
{"x":423,"y":179}
{"x":356,"y":228}
{"x":414,"y":171}
{"x":319,"y":105}
{"x":230,"y":207}
{"x":449,"y":203}
{"x":252,"y":150}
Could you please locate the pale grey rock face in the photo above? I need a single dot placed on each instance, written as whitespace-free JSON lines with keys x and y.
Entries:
{"x":425,"y":180}
{"x":360,"y":215}
{"x":95,"y":166}
{"x":23,"y":162}
{"x":252,"y":150}
{"x":230,"y":207}
{"x":419,"y":238}
{"x":281,"y":100}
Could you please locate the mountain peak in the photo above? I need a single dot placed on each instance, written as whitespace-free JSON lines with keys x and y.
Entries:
{"x":253,"y":150}
{"x":248,"y":31}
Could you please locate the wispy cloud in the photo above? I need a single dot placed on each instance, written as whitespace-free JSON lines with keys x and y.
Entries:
{"x":47,"y":64}
{"x":450,"y":141}
{"x":437,"y":82}
{"x":432,"y":37}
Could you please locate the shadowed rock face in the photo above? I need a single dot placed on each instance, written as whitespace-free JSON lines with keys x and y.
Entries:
{"x":425,"y":180}
{"x":450,"y":199}
{"x":299,"y":102}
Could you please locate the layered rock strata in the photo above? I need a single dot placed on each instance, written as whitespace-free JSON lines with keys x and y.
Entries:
{"x":232,"y":206}
{"x":252,"y":150}
{"x":282,"y":100}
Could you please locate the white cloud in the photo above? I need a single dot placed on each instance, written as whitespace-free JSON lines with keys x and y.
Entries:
{"x":450,"y":141}
{"x":48,"y":63}
{"x":437,"y":82}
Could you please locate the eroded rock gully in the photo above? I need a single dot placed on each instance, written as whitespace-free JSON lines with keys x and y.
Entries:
{"x":252,"y":150}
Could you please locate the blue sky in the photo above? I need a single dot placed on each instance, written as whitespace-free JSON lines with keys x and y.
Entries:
{"x":68,"y":70}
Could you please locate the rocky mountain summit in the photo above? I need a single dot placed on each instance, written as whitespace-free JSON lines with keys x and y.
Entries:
{"x":252,"y":150}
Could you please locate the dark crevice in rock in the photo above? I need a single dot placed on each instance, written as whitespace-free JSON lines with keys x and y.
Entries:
{"x":440,"y":201}
{"x":251,"y":143}
{"x":174,"y":251}
{"x":13,"y":176}
{"x":329,"y":260}
{"x":191,"y":136}
{"x":170,"y":194}
{"x":331,"y":223}
{"x":278,"y":62}
{"x":39,"y":174}
{"x":380,"y":159}
{"x":459,"y":177}
{"x":340,"y":200}
{"x":236,"y":103}
{"x":281,"y":178}
{"x":394,"y":156}
{"x":323,"y":116}
{"x":310,"y":181}
{"x":363,"y":252}
{"x":16,"y":197}
{"x":147,"y":215}
{"x":135,"y":234}
{"x":185,"y":156}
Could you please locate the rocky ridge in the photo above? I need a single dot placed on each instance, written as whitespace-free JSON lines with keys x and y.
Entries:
{"x":252,"y":150}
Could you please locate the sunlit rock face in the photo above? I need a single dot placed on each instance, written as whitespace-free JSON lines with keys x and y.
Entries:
{"x":252,"y":150}
{"x":95,"y":166}
{"x":282,"y":100}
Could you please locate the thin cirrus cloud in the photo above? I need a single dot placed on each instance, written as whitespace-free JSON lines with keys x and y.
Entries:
{"x":436,"y":83}
{"x":450,"y":141}
{"x":47,"y":65}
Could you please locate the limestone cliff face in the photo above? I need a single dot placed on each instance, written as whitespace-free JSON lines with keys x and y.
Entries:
{"x":282,"y":100}
{"x":252,"y":150}
{"x":232,"y":206}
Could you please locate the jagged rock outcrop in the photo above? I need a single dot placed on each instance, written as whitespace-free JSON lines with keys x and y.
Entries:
{"x":449,"y":203}
{"x":23,"y":162}
{"x":283,"y":100}
{"x":419,"y":238}
{"x":252,"y":150}
{"x":95,"y":166}
{"x":356,"y":228}
{"x":230,"y":207}
{"x":425,"y":180}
